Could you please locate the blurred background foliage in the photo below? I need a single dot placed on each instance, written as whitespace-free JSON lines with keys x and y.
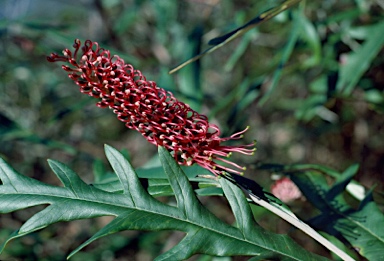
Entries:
{"x":309,"y":83}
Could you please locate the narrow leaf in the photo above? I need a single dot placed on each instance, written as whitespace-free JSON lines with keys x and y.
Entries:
{"x":222,"y":40}
{"x":287,"y":51}
{"x":358,"y":61}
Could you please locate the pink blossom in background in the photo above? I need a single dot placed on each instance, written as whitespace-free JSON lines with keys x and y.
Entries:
{"x":285,"y":190}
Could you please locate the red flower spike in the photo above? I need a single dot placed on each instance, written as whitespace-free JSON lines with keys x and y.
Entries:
{"x":149,"y":109}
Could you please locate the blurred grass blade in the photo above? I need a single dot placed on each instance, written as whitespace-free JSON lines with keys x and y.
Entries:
{"x":358,"y":61}
{"x":287,"y":51}
{"x":240,"y":50}
{"x":310,"y":35}
{"x":222,"y":40}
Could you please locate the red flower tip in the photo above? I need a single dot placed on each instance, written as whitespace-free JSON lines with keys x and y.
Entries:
{"x":149,"y":109}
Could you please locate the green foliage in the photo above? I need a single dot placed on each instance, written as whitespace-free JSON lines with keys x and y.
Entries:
{"x":308,"y":81}
{"x":359,"y":228}
{"x":158,"y":184}
{"x":222,"y":40}
{"x":358,"y":61}
{"x":135,"y":209}
{"x":351,"y":68}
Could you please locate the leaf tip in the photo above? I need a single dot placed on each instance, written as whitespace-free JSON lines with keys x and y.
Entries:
{"x":161,"y":149}
{"x":107,"y":147}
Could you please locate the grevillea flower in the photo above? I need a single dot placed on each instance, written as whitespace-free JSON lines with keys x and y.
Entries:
{"x":149,"y":109}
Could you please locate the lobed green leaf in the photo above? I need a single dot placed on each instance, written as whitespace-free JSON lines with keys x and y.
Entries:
{"x":135,"y":209}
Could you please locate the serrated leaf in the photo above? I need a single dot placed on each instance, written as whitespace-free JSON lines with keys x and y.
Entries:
{"x":216,"y":241}
{"x":361,"y":228}
{"x":367,"y":223}
{"x":273,"y":204}
{"x":135,"y":209}
{"x":157,"y":183}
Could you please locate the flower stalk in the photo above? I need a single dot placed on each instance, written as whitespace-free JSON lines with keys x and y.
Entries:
{"x":149,"y":109}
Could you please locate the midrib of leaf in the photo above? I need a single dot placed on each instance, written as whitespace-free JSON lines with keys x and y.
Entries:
{"x":52,"y":198}
{"x":190,"y":216}
{"x":174,"y":169}
{"x":186,"y":200}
